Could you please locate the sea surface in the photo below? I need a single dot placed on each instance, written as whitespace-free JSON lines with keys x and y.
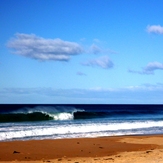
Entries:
{"x":27,"y":122}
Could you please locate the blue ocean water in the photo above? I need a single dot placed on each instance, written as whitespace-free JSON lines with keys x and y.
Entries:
{"x":27,"y":122}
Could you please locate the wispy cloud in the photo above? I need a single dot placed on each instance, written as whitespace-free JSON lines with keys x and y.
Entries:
{"x":149,"y":69}
{"x":81,"y":73}
{"x":32,"y":46}
{"x":103,"y":62}
{"x":95,"y":49}
{"x":96,"y":40}
{"x":155,"y":29}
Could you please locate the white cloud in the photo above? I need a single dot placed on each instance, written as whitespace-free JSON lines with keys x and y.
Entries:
{"x":103,"y":62}
{"x":152,"y":66}
{"x":155,"y":29}
{"x":149,"y":69}
{"x":32,"y":46}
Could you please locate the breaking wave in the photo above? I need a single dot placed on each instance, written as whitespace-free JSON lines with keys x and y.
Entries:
{"x":39,"y":113}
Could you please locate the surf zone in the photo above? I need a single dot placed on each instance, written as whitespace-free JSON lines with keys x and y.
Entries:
{"x":63,"y":113}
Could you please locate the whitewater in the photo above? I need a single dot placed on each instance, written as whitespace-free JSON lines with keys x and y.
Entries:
{"x":28,"y":122}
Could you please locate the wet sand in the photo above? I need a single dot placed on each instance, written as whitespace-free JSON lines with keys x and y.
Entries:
{"x":118,"y":149}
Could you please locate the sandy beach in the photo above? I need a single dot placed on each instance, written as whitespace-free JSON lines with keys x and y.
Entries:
{"x":118,"y":149}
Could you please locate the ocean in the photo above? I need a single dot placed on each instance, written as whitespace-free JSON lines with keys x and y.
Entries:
{"x":35,"y":122}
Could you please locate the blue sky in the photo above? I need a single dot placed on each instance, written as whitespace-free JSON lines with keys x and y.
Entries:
{"x":76,"y":51}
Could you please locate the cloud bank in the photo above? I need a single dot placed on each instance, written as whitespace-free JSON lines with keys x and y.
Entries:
{"x":32,"y":46}
{"x":155,"y":29}
{"x":145,"y":93}
{"x":103,"y":62}
{"x":149,"y":69}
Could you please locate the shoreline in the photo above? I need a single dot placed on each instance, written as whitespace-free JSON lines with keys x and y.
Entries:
{"x":101,"y":149}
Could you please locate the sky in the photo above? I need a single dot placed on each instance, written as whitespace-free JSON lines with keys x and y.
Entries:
{"x":81,"y":52}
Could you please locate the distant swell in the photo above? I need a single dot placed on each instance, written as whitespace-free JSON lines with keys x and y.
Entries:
{"x":110,"y":114}
{"x":89,"y":115}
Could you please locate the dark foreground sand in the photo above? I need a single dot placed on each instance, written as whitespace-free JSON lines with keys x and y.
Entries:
{"x":123,"y":149}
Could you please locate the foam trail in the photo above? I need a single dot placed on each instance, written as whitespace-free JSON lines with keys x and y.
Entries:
{"x":67,"y":130}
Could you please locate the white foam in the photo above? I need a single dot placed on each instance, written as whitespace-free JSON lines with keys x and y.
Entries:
{"x":62,"y":116}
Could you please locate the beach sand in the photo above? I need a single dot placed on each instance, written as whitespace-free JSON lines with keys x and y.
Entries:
{"x":118,"y":149}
